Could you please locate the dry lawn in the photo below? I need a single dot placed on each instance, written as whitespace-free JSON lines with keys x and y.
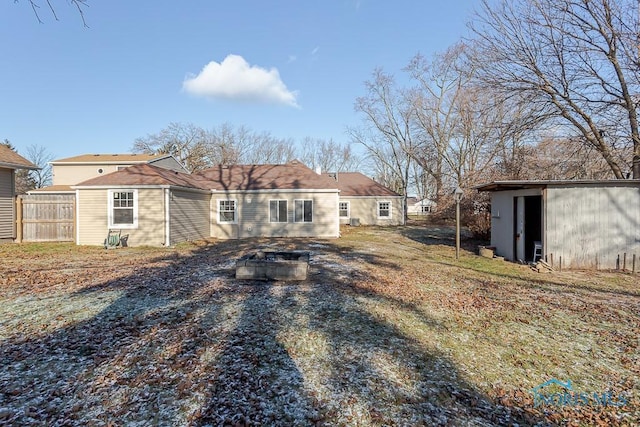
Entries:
{"x":389,"y":329}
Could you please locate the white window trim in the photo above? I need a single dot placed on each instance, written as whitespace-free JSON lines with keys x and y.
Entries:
{"x":348,"y":210}
{"x":135,"y":209}
{"x":294,"y":211}
{"x":287,"y":215}
{"x":390,"y":209}
{"x":235,"y":216}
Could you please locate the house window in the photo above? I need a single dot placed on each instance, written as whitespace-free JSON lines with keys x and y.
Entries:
{"x":303,"y":210}
{"x":277,"y":210}
{"x":123,"y":209}
{"x":384,"y":210}
{"x":226,"y":211}
{"x":426,"y":209}
{"x":343,"y":209}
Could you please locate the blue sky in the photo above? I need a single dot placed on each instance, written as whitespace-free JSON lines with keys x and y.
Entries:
{"x":290,"y":68}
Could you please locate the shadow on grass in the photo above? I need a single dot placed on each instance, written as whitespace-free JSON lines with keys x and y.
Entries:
{"x":183,"y":343}
{"x":446,"y":236}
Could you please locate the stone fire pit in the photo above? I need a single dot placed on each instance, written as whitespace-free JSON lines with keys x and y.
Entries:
{"x":273,"y":265}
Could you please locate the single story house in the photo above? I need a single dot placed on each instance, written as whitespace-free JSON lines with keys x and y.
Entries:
{"x":417,"y":206}
{"x":10,"y":161}
{"x":158,"y":206}
{"x":364,"y":201}
{"x":581,"y":224}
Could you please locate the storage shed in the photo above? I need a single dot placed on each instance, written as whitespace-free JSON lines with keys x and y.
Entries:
{"x":581,"y":224}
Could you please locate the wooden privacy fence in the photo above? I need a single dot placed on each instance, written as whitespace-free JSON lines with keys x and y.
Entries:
{"x":45,"y":218}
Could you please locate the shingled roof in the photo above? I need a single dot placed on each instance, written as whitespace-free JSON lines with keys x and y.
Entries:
{"x":290,"y":176}
{"x":355,"y":184}
{"x":144,"y":175}
{"x":12,"y":160}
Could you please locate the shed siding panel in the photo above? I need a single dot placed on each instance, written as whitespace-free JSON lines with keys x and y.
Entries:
{"x":94,"y":221}
{"x":189,"y":216}
{"x":7,"y":204}
{"x":366,"y":210}
{"x":583,"y":223}
{"x":253,"y":216}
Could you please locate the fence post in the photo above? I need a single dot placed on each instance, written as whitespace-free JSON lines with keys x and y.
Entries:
{"x":19,"y":219}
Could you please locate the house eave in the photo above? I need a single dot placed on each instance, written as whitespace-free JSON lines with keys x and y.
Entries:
{"x":139,"y":186}
{"x":17,"y":166}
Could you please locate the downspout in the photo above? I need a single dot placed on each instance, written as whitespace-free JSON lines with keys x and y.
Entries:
{"x":78,"y":217}
{"x":167,"y":217}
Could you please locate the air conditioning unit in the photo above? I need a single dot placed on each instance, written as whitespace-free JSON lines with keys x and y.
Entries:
{"x":354,"y":222}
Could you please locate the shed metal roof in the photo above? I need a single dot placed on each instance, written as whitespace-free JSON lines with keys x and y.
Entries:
{"x":524,"y":184}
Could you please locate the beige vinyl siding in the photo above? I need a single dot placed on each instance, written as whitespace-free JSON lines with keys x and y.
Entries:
{"x":189,"y":215}
{"x":253,"y":215}
{"x":75,"y":174}
{"x":93,"y":221}
{"x":366,"y":209}
{"x":7,"y":204}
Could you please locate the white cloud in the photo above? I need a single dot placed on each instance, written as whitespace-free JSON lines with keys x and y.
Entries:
{"x":235,"y":79}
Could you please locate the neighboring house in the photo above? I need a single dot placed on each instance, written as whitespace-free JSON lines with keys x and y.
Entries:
{"x":156,"y":206}
{"x":9,"y":162}
{"x":586,"y":224}
{"x":364,"y":201}
{"x":73,"y":170}
{"x":420,"y":207}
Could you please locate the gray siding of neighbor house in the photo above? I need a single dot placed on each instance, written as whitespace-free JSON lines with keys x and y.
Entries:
{"x":585,"y":222}
{"x":253,"y":215}
{"x":502,"y":219}
{"x":7,"y":204}
{"x":189,"y":215}
{"x":366,"y":209}
{"x":168,"y":163}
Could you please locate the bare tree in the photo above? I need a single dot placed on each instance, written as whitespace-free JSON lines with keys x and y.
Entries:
{"x":36,"y":6}
{"x":328,"y":155}
{"x":388,"y":114}
{"x":576,"y":60}
{"x":226,"y":145}
{"x":40,"y":156}
{"x":185,"y":141}
{"x":555,"y":158}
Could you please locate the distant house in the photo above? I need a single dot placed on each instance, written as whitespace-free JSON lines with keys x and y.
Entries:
{"x":417,"y":206}
{"x":10,"y":161}
{"x":587,"y":224}
{"x":73,"y":170}
{"x":364,"y":201}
